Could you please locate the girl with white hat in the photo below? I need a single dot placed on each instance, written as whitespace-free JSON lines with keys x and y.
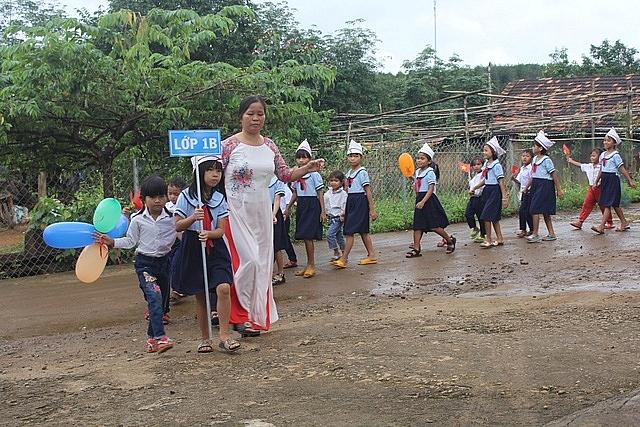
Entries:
{"x":494,"y":195}
{"x":609,"y":182}
{"x":429,"y":215}
{"x":359,"y":208}
{"x":541,"y":187}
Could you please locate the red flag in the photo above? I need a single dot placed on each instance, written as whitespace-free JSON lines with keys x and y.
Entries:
{"x":135,"y":201}
{"x":464,"y":167}
{"x":565,"y":150}
{"x":514,"y":170}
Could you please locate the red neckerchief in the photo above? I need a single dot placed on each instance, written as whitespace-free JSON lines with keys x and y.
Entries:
{"x":303,"y":184}
{"x":349,"y":182}
{"x":416,"y":185}
{"x":206,"y":224}
{"x":485,"y":171}
{"x":534,"y":168}
{"x":603,"y":162}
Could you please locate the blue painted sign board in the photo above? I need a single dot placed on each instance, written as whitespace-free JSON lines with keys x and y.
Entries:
{"x":202,"y":142}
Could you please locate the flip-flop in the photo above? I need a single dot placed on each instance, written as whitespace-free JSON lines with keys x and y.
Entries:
{"x":230,"y":345}
{"x":576,"y":224}
{"x":309,"y":272}
{"x":549,"y":238}
{"x":290,"y":264}
{"x":339,"y":263}
{"x":300,"y":272}
{"x":609,"y":226}
{"x":534,"y":240}
{"x":367,"y":261}
{"x":486,"y":245}
{"x":625,"y":228}
{"x":594,"y":228}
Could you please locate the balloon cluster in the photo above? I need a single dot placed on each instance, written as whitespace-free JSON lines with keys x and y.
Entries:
{"x":108,"y":219}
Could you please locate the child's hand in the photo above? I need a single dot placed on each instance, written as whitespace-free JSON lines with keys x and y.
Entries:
{"x":505,"y":203}
{"x":274,"y":219}
{"x":560,"y":194}
{"x":471,"y":192}
{"x":420,"y":205}
{"x":102,"y":238}
{"x":126,"y":211}
{"x":198,"y":214}
{"x":323,"y":217}
{"x":632,"y":184}
{"x":373,"y":214}
{"x":203,"y":235}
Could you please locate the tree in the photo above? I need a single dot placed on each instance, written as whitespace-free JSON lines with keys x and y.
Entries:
{"x":67,"y":103}
{"x":26,"y":12}
{"x":351,"y":51}
{"x":610,"y":60}
{"x":560,"y":65}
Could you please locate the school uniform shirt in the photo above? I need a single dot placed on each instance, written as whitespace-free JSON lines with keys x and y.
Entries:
{"x":308,"y":185}
{"x":276,"y":187}
{"x":543,"y":168}
{"x":154,"y":237}
{"x":186,"y":205}
{"x":170,"y":206}
{"x":357,"y":180}
{"x":591,"y":171}
{"x":524,"y":176}
{"x":475,"y":181}
{"x":492,"y":172}
{"x":610,"y":163}
{"x":286,"y":198}
{"x":335,"y":202}
{"x":423,"y":179}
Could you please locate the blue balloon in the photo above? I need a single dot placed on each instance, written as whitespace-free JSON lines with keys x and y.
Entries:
{"x":121,"y":227}
{"x":69,"y":235}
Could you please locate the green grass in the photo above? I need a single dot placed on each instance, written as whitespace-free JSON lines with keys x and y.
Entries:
{"x":395,"y":215}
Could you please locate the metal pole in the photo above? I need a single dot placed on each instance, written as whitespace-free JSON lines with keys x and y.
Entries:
{"x":204,"y":256}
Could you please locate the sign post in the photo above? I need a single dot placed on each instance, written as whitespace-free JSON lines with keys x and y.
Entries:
{"x":190,"y":143}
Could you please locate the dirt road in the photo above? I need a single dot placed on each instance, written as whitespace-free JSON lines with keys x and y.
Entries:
{"x":523,"y":334}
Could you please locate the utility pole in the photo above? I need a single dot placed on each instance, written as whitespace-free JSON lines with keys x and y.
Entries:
{"x":435,"y":38}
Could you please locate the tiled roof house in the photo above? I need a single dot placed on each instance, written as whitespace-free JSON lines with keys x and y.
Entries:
{"x":586,"y":106}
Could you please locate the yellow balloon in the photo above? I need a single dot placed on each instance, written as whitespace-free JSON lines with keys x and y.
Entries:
{"x":405,"y":161}
{"x":91,"y":262}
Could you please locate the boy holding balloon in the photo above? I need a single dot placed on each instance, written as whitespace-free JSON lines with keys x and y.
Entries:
{"x":152,"y":229}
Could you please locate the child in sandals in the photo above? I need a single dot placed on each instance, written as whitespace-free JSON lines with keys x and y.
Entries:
{"x":541,"y":186}
{"x":206,"y":225}
{"x":152,"y":230}
{"x":494,"y":191}
{"x":429,"y":215}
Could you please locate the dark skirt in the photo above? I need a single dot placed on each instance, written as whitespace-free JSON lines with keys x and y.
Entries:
{"x":308,"y":225}
{"x":492,"y":203}
{"x":432,"y":214}
{"x":280,"y":230}
{"x":543,"y":197}
{"x":356,"y":214}
{"x":610,"y":191}
{"x":190,"y":273}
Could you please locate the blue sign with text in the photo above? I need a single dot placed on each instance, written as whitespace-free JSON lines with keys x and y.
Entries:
{"x":203,"y":142}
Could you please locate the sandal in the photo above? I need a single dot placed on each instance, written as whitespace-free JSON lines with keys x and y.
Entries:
{"x":576,"y":224}
{"x":413,"y":253}
{"x":246,"y":330}
{"x":230,"y":345}
{"x":597,"y":230}
{"x":278,"y":279}
{"x":442,"y":243}
{"x":339,"y":263}
{"x":451,"y":246}
{"x":486,"y":245}
{"x":215,"y":321}
{"x":205,"y":347}
{"x":291,"y":264}
{"x":522,"y":233}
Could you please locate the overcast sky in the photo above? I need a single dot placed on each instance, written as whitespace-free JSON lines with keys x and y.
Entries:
{"x":497,"y":31}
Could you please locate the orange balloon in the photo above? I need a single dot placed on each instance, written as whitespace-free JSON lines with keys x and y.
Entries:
{"x":405,"y":161}
{"x":91,"y":262}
